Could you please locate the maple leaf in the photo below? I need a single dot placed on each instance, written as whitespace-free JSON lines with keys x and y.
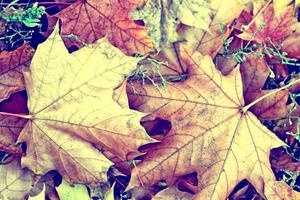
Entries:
{"x":268,"y":26}
{"x":91,"y":20}
{"x":254,"y":72}
{"x":209,"y":42}
{"x":12,"y":63}
{"x":71,"y":108}
{"x":15,"y":181}
{"x":211,"y":127}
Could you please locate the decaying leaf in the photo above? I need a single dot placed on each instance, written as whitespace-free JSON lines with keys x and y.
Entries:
{"x":162,"y":17}
{"x":87,"y":21}
{"x":209,"y":42}
{"x":71,"y":107}
{"x":11,"y":65}
{"x":15,"y":182}
{"x":281,"y":191}
{"x":210,"y":130}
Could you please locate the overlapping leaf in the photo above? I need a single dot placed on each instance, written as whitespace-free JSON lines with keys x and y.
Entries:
{"x":71,"y":107}
{"x":91,"y":20}
{"x":209,"y":132}
{"x":11,"y":65}
{"x":162,"y":18}
{"x":15,"y":182}
{"x":269,"y":26}
{"x":209,"y":42}
{"x":255,"y":71}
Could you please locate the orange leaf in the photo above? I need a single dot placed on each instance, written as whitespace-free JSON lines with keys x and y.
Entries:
{"x":91,"y":20}
{"x":277,"y":27}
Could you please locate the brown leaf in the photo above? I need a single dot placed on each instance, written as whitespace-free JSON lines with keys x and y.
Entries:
{"x":281,"y":160}
{"x":209,"y":132}
{"x":10,"y":127}
{"x":91,"y":20}
{"x":15,"y":182}
{"x":255,"y":72}
{"x":277,"y":27}
{"x":11,"y":65}
{"x":291,"y":46}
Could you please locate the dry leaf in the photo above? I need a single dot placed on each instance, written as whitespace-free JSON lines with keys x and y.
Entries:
{"x":276,"y":27}
{"x":172,"y":193}
{"x":15,"y":182}
{"x":91,"y":20}
{"x":71,"y":107}
{"x":10,"y":128}
{"x":281,"y":191}
{"x":12,"y":63}
{"x":209,"y":132}
{"x":209,"y":42}
{"x":291,"y":46}
{"x":255,"y":72}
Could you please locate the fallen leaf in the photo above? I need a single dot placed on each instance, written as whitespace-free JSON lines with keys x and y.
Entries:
{"x":291,"y":45}
{"x":68,"y":192}
{"x":209,"y":132}
{"x":281,"y":191}
{"x":209,"y":42}
{"x":162,"y":18}
{"x":281,"y":160}
{"x":70,"y":110}
{"x":172,"y":193}
{"x":15,"y":181}
{"x":91,"y":20}
{"x":268,"y":26}
{"x":12,"y":63}
{"x":254,"y":72}
{"x":10,"y":128}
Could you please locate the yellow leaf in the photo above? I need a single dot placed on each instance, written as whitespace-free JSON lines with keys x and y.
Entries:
{"x":15,"y":182}
{"x":70,"y":100}
{"x":75,"y":192}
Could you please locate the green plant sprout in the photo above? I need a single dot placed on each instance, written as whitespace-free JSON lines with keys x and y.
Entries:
{"x":31,"y":17}
{"x":13,"y":17}
{"x":273,"y":51}
{"x":149,"y":73}
{"x":290,"y":178}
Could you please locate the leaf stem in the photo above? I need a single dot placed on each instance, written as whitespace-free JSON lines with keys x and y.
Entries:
{"x":16,"y":115}
{"x":247,"y":107}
